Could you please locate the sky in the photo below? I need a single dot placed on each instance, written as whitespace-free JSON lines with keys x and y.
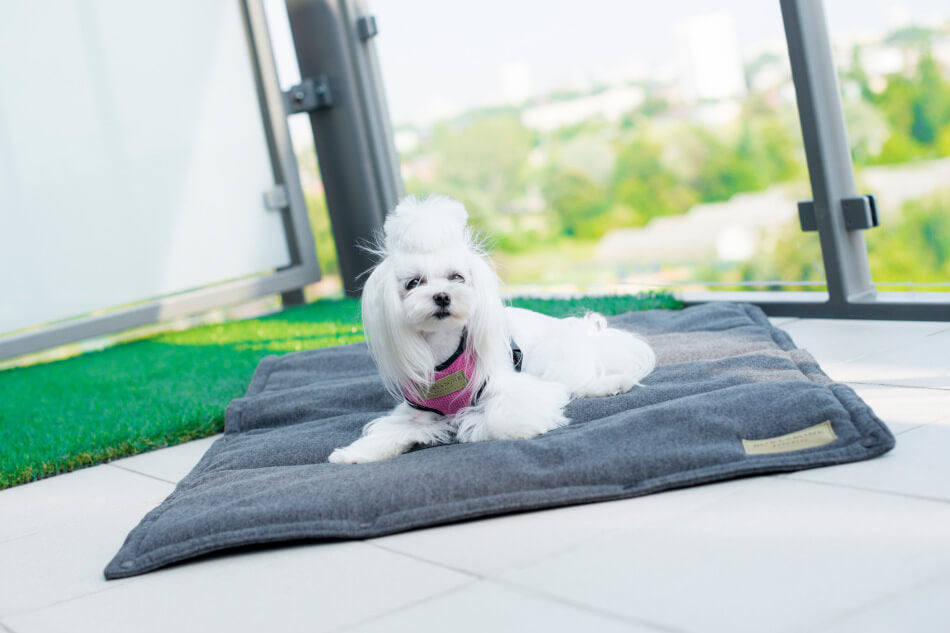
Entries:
{"x":444,"y":56}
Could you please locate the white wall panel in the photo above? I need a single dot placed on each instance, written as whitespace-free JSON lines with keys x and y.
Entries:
{"x":132,"y":155}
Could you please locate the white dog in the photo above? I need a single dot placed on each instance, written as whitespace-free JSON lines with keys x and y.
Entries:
{"x":462,"y":364}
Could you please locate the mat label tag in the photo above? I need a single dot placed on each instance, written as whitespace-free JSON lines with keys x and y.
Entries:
{"x":813,"y":436}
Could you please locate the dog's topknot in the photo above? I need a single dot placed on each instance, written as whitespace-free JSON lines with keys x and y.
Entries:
{"x":426,"y":225}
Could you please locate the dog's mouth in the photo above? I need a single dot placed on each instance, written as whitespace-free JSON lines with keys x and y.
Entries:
{"x":441,"y":313}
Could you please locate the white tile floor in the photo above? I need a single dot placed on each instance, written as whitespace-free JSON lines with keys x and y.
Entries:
{"x":862,"y":548}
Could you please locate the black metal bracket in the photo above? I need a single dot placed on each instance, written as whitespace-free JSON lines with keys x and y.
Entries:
{"x":276,"y":198}
{"x":309,"y":95}
{"x":366,"y":27}
{"x":860,"y":213}
{"x":806,"y":215}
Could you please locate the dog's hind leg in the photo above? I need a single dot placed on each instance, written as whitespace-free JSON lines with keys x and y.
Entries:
{"x":514,"y":406}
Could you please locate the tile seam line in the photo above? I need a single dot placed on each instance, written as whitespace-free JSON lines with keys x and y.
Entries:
{"x":887,"y":599}
{"x":891,"y":348}
{"x":888,"y":384}
{"x":942,"y":331}
{"x":473,"y":575}
{"x":119,"y":583}
{"x":4,"y":541}
{"x":403,"y":607}
{"x":587,"y":608}
{"x":606,"y":533}
{"x":864,"y":354}
{"x":889,"y":493}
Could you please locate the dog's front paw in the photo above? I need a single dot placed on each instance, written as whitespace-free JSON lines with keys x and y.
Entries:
{"x":354,"y":455}
{"x":369,"y":448}
{"x":344,"y":456}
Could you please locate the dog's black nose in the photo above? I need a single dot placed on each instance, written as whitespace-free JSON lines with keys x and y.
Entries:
{"x":442,"y":299}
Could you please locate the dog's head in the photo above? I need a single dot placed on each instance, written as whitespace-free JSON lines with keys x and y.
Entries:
{"x":430,"y":255}
{"x":433,"y":276}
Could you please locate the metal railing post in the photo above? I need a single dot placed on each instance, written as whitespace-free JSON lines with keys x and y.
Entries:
{"x":826,"y":149}
{"x":835,"y":205}
{"x":352,"y":133}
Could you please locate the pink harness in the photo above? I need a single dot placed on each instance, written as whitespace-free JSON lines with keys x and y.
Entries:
{"x":452,"y":389}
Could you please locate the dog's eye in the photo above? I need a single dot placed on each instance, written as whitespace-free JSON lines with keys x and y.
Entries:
{"x":456,"y":277}
{"x":412,"y":283}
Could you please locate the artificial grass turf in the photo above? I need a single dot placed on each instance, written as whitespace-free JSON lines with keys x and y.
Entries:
{"x":174,"y":387}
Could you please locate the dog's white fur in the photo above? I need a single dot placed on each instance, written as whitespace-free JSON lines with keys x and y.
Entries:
{"x":429,"y":241}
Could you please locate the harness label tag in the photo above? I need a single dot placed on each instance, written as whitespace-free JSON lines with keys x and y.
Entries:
{"x":455,"y":381}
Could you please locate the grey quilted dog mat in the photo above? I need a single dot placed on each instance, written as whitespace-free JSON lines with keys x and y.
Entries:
{"x":731,"y":396}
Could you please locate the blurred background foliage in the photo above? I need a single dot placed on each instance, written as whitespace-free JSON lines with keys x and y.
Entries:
{"x":547,"y":197}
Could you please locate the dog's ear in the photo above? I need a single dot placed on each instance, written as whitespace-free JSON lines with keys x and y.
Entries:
{"x":487,"y":329}
{"x":401,"y":355}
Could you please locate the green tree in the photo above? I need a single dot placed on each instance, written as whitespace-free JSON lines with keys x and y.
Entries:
{"x":771,"y":143}
{"x":932,"y":104}
{"x":643,"y":184}
{"x":917,"y":109}
{"x":917,"y":247}
{"x":900,"y":147}
{"x":577,"y":201}
{"x":487,"y":152}
{"x":762,"y":151}
{"x":724,"y":170}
